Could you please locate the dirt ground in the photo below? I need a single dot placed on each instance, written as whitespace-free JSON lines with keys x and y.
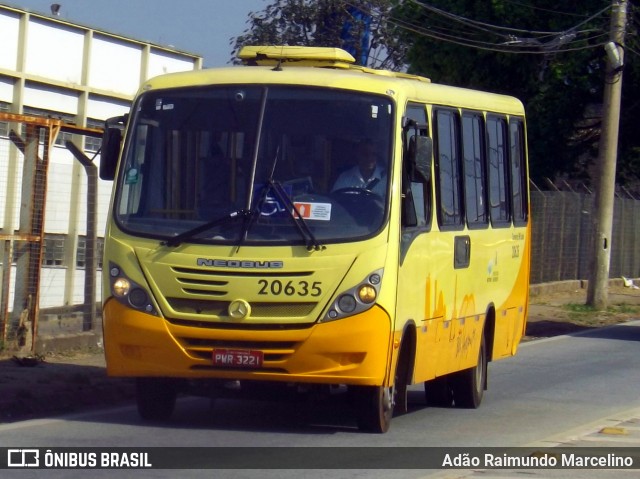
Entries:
{"x":76,"y":380}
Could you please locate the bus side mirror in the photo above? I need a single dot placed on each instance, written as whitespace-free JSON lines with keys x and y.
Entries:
{"x":421,"y":156}
{"x":110,"y":150}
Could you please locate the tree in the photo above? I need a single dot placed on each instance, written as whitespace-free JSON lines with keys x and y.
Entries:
{"x":357,"y":26}
{"x":548,"y":53}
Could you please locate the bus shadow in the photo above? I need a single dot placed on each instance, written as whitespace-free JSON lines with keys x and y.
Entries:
{"x":323,"y":414}
{"x":306,"y":414}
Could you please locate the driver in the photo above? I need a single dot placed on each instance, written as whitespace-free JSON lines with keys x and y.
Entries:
{"x":367,"y":174}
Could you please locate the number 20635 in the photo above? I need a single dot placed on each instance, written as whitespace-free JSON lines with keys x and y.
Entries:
{"x":289,"y":288}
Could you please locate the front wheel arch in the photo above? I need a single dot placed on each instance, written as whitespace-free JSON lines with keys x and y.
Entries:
{"x":405,"y":364}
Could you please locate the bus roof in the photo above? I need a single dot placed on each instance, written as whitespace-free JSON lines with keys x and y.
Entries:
{"x":336,"y":68}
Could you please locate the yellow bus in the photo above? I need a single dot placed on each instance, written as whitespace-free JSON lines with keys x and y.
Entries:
{"x":301,"y":221}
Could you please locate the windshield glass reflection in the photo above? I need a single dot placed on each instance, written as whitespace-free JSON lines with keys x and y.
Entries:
{"x":197,"y":157}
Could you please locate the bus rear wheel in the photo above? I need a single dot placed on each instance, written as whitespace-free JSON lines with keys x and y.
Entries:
{"x":156,"y":398}
{"x":468,"y":386}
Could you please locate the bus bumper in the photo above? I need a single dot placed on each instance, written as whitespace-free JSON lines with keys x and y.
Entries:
{"x":352,"y":350}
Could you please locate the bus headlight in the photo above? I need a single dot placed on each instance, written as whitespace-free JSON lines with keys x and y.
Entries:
{"x":367,"y":293}
{"x":128,"y":292}
{"x":357,"y":299}
{"x":121,"y":287}
{"x":347,"y":303}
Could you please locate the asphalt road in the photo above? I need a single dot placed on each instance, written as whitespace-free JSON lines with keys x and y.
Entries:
{"x":550,"y":390}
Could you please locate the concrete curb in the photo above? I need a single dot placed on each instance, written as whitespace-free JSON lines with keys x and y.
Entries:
{"x":88,"y":340}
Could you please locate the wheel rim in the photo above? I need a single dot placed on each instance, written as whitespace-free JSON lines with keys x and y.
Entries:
{"x":480,"y":369}
{"x":388,"y":399}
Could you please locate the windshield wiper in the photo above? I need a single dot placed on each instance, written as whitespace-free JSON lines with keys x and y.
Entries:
{"x":311,"y":243}
{"x":299,"y":222}
{"x":178,"y":239}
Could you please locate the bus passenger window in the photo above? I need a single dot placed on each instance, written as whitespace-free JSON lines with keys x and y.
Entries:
{"x":448,"y":169}
{"x":518,"y":173}
{"x":474,"y":170}
{"x":498,"y":171}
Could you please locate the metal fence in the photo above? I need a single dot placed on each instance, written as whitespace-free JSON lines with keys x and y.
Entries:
{"x":563,"y":229}
{"x":34,"y":195}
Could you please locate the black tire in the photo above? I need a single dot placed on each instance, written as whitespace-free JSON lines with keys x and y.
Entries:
{"x":469,"y":385}
{"x":374,"y":408}
{"x":438,"y":393}
{"x":156,"y":398}
{"x":376,"y":405}
{"x":401,"y":381}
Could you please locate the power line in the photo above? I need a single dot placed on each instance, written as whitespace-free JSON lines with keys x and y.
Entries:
{"x":447,"y":27}
{"x":532,"y":7}
{"x":514,"y":45}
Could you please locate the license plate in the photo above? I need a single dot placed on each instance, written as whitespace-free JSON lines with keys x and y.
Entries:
{"x":237,"y":358}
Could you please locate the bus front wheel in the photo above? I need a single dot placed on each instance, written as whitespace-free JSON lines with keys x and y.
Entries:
{"x":374,"y":408}
{"x":377,"y":404}
{"x":156,"y":398}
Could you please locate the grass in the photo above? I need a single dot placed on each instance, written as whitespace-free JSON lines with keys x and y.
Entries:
{"x":584,"y":314}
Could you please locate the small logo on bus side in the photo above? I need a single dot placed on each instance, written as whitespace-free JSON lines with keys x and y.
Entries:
{"x":223,"y":263}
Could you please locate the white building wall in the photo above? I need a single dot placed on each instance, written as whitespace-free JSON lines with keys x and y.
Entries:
{"x":165,"y":62}
{"x":44,"y":97}
{"x":115,"y":66}
{"x":6,"y":88}
{"x":58,"y":191}
{"x":54,"y":51}
{"x":78,"y":73}
{"x":9,"y":28}
{"x":103,"y":108}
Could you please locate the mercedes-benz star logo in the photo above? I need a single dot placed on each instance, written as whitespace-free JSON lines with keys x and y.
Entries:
{"x":239,"y":309}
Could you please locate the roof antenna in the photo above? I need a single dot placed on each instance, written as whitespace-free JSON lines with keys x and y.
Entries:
{"x":55,"y":9}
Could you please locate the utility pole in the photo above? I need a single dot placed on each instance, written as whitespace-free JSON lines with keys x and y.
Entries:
{"x":598,"y":290}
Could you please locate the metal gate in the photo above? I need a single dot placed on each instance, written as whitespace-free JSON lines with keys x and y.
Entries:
{"x":25,"y":147}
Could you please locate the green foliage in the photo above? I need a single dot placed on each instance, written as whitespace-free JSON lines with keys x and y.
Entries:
{"x":560,"y":79}
{"x":547,"y":53}
{"x":320,"y":23}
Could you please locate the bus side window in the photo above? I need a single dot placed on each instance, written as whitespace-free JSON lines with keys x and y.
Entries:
{"x":475,"y":171}
{"x":416,"y":188}
{"x":519,"y":195}
{"x":448,"y":164}
{"x":498,"y":169}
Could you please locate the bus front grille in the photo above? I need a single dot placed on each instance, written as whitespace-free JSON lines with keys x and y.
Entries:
{"x":220,"y":309}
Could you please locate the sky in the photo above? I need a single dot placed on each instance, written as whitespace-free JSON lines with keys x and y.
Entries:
{"x":201,"y":27}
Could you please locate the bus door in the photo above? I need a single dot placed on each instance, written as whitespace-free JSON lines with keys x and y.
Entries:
{"x":417,"y":296}
{"x":462,"y":327}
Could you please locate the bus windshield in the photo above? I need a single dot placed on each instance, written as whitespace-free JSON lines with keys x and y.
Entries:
{"x":245,"y":163}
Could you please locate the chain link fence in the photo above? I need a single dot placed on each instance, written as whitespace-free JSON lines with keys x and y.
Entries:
{"x":45,"y":242}
{"x":562,"y":236}
{"x":23,"y":186}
